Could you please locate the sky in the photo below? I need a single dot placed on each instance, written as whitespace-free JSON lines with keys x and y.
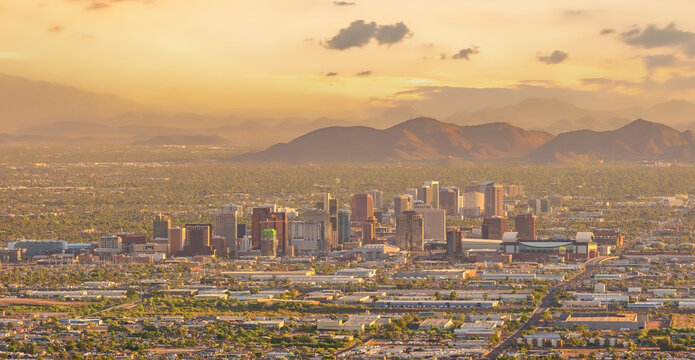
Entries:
{"x":340,"y":58}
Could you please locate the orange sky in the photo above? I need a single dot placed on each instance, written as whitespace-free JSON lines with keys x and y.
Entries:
{"x":272,"y":57}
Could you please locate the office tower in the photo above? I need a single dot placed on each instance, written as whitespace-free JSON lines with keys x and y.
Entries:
{"x":259,"y":215}
{"x":333,"y":213}
{"x":515,"y":191}
{"x":474,"y":187}
{"x":434,"y":222}
{"x":219,"y":243}
{"x":343,"y":226}
{"x":322,"y":222}
{"x":110,"y":244}
{"x":449,"y":200}
{"x":410,"y":232}
{"x":362,"y":208}
{"x":278,"y":222}
{"x":402,"y":203}
{"x":177,"y":238}
{"x":494,"y":227}
{"x":526,"y":226}
{"x":454,"y":240}
{"x":240,"y":230}
{"x":494,"y":200}
{"x":435,"y":192}
{"x":226,"y":225}
{"x":539,"y":206}
{"x":269,"y":243}
{"x":412,"y":192}
{"x":198,"y":240}
{"x":369,"y":230}
{"x":473,"y":204}
{"x":425,"y":193}
{"x":233,"y":208}
{"x":324,"y":204}
{"x":377,"y":197}
{"x":160,"y":226}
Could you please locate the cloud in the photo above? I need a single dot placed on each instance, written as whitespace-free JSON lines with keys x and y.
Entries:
{"x":653,"y":37}
{"x":465,"y":53}
{"x":55,"y":29}
{"x":575,"y":12}
{"x":679,"y":82}
{"x":344,"y":3}
{"x":607,"y":31}
{"x":364,"y":73}
{"x":391,"y":34}
{"x":652,"y":62}
{"x":555,"y":57}
{"x":331,"y":73}
{"x":359,"y":33}
{"x":97,"y":5}
{"x":105,"y":4}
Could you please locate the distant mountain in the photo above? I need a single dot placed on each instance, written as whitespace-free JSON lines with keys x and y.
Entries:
{"x":25,"y":102}
{"x":549,"y":115}
{"x":637,"y":140}
{"x":182,"y":140}
{"x":416,"y":139}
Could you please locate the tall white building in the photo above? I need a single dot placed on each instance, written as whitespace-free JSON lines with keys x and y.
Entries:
{"x":434,"y":222}
{"x":226,"y":225}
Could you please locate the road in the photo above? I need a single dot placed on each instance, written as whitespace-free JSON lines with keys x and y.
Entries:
{"x":587,"y":269}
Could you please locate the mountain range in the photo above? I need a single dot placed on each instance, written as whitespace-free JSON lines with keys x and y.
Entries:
{"x":430,"y":139}
{"x":45,"y":112}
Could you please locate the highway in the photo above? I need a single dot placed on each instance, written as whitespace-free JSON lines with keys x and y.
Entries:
{"x":588,"y":269}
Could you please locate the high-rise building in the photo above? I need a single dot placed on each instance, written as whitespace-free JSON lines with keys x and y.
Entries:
{"x":333,"y":214}
{"x":474,"y":187}
{"x":412,"y":192}
{"x":278,"y":222}
{"x":435,"y":192}
{"x":269,"y":243}
{"x":267,"y":217}
{"x":539,"y":206}
{"x":449,"y":200}
{"x":160,"y":226}
{"x":377,"y":197}
{"x":240,"y":230}
{"x":410,"y":231}
{"x":233,"y":208}
{"x":219,"y":243}
{"x":110,"y":244}
{"x":434,"y":221}
{"x":494,"y":200}
{"x":526,"y":226}
{"x":515,"y":191}
{"x":226,"y":225}
{"x":454,"y":246}
{"x":402,"y":203}
{"x":425,"y":194}
{"x":362,"y":208}
{"x":369,"y":230}
{"x":495,"y":227}
{"x":177,"y":239}
{"x":322,"y":220}
{"x":473,"y":204}
{"x":198,"y":240}
{"x":343,"y":226}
